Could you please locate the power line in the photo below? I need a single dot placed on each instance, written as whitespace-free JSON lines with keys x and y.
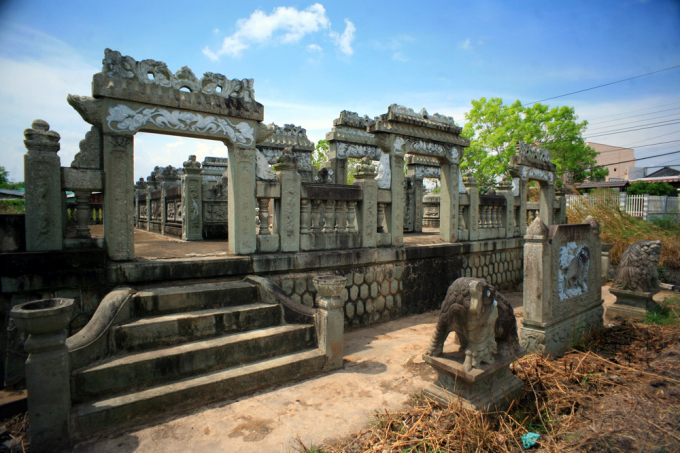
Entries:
{"x":633,"y":122}
{"x":638,"y":110}
{"x":635,"y":116}
{"x":622,"y":131}
{"x":606,"y":84}
{"x":643,"y":146}
{"x":635,"y":160}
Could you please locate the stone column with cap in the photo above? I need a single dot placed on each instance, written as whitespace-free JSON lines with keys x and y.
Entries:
{"x":330,"y":318}
{"x":42,"y":176}
{"x":367,"y":213}
{"x":192,"y":201}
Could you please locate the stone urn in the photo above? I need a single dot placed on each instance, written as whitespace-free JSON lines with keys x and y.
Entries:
{"x":40,"y":317}
{"x":329,"y":285}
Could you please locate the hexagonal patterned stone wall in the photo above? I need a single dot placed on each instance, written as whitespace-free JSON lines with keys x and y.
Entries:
{"x":379,"y":293}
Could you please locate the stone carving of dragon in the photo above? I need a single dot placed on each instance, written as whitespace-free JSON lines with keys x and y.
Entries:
{"x":483,"y":320}
{"x":637,"y":270}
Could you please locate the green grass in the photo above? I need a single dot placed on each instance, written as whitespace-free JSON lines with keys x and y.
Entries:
{"x":666,"y":313}
{"x":12,"y":207}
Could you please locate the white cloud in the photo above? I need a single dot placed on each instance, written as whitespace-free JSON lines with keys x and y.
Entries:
{"x":314,"y":48}
{"x":286,"y":25}
{"x":344,"y":41}
{"x":466,"y":44}
{"x":398,"y":56}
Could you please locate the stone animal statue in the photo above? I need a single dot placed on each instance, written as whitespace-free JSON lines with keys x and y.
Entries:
{"x":483,"y":320}
{"x":637,"y":270}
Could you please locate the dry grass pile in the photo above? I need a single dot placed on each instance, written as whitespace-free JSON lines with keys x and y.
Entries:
{"x":623,"y":230}
{"x":621,"y":394}
{"x":13,"y":434}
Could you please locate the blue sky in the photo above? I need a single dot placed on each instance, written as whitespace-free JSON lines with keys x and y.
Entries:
{"x":312,"y":60}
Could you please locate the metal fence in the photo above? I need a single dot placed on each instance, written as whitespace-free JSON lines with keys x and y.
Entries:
{"x":641,"y":206}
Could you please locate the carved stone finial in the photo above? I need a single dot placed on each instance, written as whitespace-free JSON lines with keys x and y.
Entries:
{"x":469,"y":178}
{"x":366,"y":170}
{"x":491,"y":191}
{"x":141,"y":184}
{"x":191,"y":166}
{"x":286,"y":161}
{"x":590,"y":220}
{"x":537,"y":228}
{"x":506,"y":184}
{"x":40,"y":138}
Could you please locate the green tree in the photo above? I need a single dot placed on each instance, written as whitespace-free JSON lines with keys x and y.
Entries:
{"x":320,"y":153}
{"x":494,"y":129}
{"x":651,"y":188}
{"x":5,"y":183}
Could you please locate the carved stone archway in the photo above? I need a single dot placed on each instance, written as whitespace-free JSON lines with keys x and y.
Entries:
{"x":132,"y":96}
{"x":530,"y":163}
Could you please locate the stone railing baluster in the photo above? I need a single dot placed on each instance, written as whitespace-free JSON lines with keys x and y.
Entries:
{"x":82,"y":214}
{"x":340,"y":217}
{"x":316,"y":216}
{"x":263,"y":204}
{"x":351,"y":215}
{"x":304,"y":216}
{"x":381,"y":217}
{"x":329,"y":215}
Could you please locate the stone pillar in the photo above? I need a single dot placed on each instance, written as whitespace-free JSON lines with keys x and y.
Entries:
{"x":606,"y":259}
{"x":505,"y":189}
{"x":522,"y":205}
{"x":151,"y":187}
{"x":47,"y":370}
{"x":367,"y":213}
{"x":537,"y":285}
{"x":448,"y":212}
{"x":418,"y":194}
{"x":241,"y":196}
{"x":118,"y":186}
{"x":288,"y":208}
{"x":473,"y":226}
{"x":192,"y":200}
{"x":330,"y":318}
{"x":396,"y":215}
{"x":547,"y":202}
{"x":42,"y":177}
{"x":82,"y":214}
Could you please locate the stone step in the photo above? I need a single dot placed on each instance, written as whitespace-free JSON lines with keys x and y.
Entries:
{"x":175,"y":397}
{"x":193,"y":297}
{"x":143,"y":369}
{"x":163,"y":330}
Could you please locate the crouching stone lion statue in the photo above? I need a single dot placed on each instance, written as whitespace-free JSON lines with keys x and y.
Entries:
{"x":637,"y":270}
{"x":483,"y":320}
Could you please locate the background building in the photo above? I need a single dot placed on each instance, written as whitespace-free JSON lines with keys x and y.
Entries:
{"x":609,"y":158}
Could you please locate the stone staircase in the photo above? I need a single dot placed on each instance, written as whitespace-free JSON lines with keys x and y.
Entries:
{"x":185,"y":346}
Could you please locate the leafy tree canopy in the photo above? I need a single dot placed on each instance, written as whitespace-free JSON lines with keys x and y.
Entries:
{"x":651,"y":188}
{"x":320,"y":153}
{"x":5,"y":183}
{"x":494,"y":129}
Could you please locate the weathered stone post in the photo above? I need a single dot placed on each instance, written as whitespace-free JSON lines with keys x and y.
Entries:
{"x":330,"y":318}
{"x":368,"y":209}
{"x":537,"y":285}
{"x":47,"y":370}
{"x":42,"y":176}
{"x":241,"y":200}
{"x":396,"y":219}
{"x":470,"y":183}
{"x":118,"y":186}
{"x":151,"y":180}
{"x":192,"y":200}
{"x":448,"y":211}
{"x":606,"y":259}
{"x":288,"y":209}
{"x":508,"y":223}
{"x":416,"y":174}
